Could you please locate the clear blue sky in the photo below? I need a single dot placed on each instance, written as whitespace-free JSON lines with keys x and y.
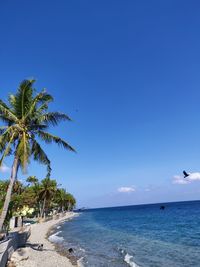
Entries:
{"x":128,"y":73}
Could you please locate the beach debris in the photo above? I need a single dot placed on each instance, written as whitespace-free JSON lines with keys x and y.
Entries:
{"x":40,"y":247}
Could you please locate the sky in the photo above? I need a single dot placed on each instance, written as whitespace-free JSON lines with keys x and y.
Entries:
{"x":127,"y":73}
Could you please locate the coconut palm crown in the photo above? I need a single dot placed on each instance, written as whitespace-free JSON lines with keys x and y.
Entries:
{"x":26,"y":119}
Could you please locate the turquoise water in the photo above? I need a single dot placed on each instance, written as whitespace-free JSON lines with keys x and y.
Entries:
{"x":142,"y":236}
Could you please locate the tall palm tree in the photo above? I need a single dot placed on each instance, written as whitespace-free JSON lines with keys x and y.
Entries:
{"x":27,"y":118}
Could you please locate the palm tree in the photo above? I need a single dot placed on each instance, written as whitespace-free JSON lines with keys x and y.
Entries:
{"x":47,"y":192}
{"x":17,"y":198}
{"x":32,"y":180}
{"x":27,"y":119}
{"x":71,"y":201}
{"x":61,"y":198}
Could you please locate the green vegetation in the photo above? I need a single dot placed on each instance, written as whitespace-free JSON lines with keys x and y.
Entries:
{"x":36,"y":198}
{"x":27,"y":119}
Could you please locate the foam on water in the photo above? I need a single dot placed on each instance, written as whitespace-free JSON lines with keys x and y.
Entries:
{"x":129,"y":259}
{"x":80,"y":262}
{"x":55,"y":238}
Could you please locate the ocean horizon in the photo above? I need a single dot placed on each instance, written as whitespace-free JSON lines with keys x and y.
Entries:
{"x":133,"y":205}
{"x":138,"y":235}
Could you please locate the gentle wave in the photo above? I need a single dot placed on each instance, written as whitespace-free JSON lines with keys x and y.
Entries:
{"x":55,"y":238}
{"x":129,"y":259}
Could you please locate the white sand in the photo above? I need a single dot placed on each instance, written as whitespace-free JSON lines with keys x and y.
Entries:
{"x":48,"y":257}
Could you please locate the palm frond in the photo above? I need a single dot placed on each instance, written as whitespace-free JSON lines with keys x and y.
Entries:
{"x":35,"y":127}
{"x":49,"y":138}
{"x":7,"y":149}
{"x":53,"y":118}
{"x":42,"y":108}
{"x":40,"y":156}
{"x":23,"y":98}
{"x":12,"y":100}
{"x":2,"y":129}
{"x":5,"y":137}
{"x":42,"y":98}
{"x":6,"y":114}
{"x":6,"y":133}
{"x":3,"y":142}
{"x":23,"y":151}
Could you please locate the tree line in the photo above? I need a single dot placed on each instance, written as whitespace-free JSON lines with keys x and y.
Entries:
{"x":36,"y":198}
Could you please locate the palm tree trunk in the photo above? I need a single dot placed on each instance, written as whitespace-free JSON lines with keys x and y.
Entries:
{"x":9,"y":191}
{"x":43,"y":209}
{"x":40,"y":210}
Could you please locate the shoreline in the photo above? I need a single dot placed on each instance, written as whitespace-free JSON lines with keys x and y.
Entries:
{"x":29,"y":256}
{"x":52,"y":232}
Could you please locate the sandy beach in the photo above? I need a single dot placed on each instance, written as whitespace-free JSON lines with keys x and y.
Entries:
{"x":48,"y":257}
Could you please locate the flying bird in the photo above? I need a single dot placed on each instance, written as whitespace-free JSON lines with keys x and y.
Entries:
{"x":185,"y":174}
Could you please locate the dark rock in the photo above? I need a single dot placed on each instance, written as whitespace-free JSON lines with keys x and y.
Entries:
{"x":70,"y":250}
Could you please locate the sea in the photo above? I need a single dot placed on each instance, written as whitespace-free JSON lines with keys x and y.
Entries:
{"x":137,"y":236}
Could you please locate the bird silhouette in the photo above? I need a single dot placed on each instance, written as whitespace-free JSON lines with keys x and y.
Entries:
{"x":185,"y":174}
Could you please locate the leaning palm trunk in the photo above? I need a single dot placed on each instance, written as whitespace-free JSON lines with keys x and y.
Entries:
{"x":9,"y":191}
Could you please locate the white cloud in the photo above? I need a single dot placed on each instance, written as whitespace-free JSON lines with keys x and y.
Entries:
{"x":125,"y":189}
{"x":179,"y":180}
{"x":4,"y":168}
{"x":195,"y":176}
